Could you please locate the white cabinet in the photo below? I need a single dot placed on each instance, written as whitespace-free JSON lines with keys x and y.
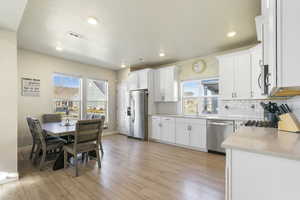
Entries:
{"x":235,"y":75}
{"x":243,"y":76}
{"x":168,"y":129}
{"x":141,"y":79}
{"x":191,"y":132}
{"x":122,"y":104}
{"x":257,"y":176}
{"x":166,"y":84}
{"x":180,"y":131}
{"x":156,"y":128}
{"x":227,"y":75}
{"x":256,"y":79}
{"x":288,"y":43}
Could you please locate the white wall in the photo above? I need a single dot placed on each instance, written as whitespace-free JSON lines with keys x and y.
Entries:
{"x":8,"y":99}
{"x":35,"y":65}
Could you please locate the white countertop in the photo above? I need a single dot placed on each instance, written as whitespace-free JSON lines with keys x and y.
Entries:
{"x":268,"y":141}
{"x":211,"y":116}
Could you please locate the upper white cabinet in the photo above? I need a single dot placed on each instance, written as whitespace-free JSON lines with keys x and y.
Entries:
{"x":166,"y":84}
{"x":141,"y":79}
{"x":235,"y":75}
{"x":241,"y":75}
{"x":288,"y":32}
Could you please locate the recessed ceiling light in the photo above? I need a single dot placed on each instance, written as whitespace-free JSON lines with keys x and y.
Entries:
{"x":231,"y":34}
{"x":123,"y":65}
{"x":92,"y":20}
{"x":162,"y":54}
{"x":59,"y":48}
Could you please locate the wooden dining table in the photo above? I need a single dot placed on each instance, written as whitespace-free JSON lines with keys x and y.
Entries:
{"x":59,"y":129}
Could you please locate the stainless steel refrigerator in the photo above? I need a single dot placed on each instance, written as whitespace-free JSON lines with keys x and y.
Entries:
{"x":138,"y":114}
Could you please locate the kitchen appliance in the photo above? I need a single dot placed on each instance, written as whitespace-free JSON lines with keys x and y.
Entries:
{"x":217,"y":132}
{"x":138,"y":114}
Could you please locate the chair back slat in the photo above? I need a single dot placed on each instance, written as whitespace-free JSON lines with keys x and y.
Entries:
{"x":88,"y":131}
{"x":50,"y":118}
{"x":38,"y":131}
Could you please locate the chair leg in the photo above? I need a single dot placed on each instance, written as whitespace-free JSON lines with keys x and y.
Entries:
{"x":36,"y":154}
{"x":76,"y":164}
{"x":101,"y":148}
{"x":42,"y":162}
{"x":32,"y":151}
{"x":98,"y":158}
{"x":65,"y":159}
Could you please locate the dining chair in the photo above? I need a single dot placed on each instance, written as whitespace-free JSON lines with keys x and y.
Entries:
{"x":87,"y":138}
{"x":49,"y":118}
{"x":47,"y":147}
{"x":35,"y":139}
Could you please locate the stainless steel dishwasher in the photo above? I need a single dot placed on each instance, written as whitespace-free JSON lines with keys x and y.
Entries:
{"x":217,"y":132}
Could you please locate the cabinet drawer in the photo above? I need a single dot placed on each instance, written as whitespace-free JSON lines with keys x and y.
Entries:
{"x":155,"y":117}
{"x":168,"y":119}
{"x":191,"y":121}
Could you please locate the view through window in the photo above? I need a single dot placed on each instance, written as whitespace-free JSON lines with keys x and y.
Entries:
{"x":97,"y":94}
{"x":67,"y":96}
{"x":200,"y":97}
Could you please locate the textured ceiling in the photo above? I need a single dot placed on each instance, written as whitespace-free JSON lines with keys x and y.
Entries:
{"x":133,"y":29}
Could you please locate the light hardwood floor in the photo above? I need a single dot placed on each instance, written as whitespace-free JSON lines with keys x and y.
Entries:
{"x":131,"y":170}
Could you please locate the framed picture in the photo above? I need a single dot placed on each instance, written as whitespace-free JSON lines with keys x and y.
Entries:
{"x":31,"y":87}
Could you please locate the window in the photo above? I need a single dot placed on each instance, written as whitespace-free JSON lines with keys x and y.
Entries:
{"x":97,"y":99}
{"x":67,"y":96}
{"x":200,"y":97}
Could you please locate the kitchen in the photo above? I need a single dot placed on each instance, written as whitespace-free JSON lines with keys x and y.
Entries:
{"x":150,"y":100}
{"x":184,"y":112}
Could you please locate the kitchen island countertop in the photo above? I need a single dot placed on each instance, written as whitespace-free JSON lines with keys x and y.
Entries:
{"x":268,"y":141}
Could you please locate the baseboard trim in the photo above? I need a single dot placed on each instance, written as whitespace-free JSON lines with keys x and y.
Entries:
{"x":10,"y":177}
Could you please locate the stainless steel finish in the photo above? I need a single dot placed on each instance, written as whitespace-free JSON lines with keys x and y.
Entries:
{"x":264,"y":79}
{"x":217,"y":132}
{"x":138,"y":127}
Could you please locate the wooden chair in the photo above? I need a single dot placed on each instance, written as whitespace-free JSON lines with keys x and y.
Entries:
{"x":49,"y":118}
{"x":48,"y":147}
{"x":87,"y":138}
{"x":35,"y":139}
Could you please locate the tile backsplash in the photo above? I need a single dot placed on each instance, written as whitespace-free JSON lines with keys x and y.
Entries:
{"x":247,"y":108}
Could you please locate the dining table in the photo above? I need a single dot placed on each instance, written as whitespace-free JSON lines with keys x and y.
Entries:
{"x":59,"y":129}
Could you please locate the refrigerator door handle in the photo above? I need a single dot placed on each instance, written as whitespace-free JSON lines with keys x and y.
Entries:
{"x":133,"y":110}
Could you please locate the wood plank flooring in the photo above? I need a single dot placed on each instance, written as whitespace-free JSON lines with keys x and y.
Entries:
{"x":131,"y":170}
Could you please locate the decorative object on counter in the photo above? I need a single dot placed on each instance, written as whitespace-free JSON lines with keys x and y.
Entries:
{"x":199,"y":66}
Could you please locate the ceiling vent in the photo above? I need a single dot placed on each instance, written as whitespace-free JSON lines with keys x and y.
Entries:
{"x":75,"y":35}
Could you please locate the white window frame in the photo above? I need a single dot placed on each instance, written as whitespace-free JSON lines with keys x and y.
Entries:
{"x":83,"y":94}
{"x":80,"y":90}
{"x":107,"y":97}
{"x":200,"y":97}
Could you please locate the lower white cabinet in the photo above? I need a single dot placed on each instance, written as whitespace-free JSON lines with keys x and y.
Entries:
{"x":167,"y":129}
{"x":180,"y":131}
{"x":155,"y":130}
{"x":191,"y":132}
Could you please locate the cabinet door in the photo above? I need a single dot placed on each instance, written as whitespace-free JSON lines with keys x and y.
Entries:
{"x":182,"y":133}
{"x":227,"y":77}
{"x":168,"y":129}
{"x":133,"y":81}
{"x":256,"y":59}
{"x":143,"y":79}
{"x":288,"y":66}
{"x":156,"y":127}
{"x":157,"y":85}
{"x":170,"y":84}
{"x":123,"y":103}
{"x":198,"y":134}
{"x":243,"y":76}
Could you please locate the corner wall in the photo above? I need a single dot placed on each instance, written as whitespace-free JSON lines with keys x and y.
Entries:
{"x":8,"y":99}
